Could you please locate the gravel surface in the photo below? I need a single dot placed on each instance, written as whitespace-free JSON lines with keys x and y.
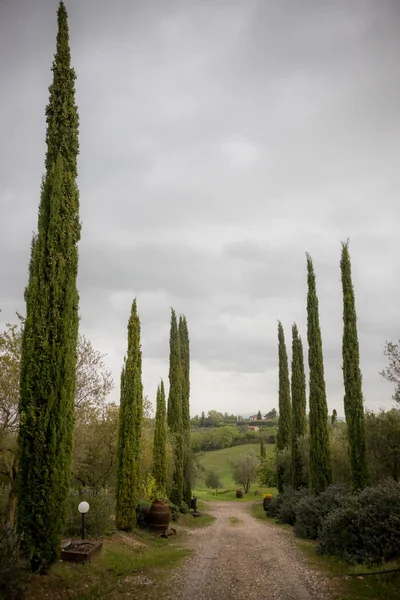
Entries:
{"x":242,"y":558}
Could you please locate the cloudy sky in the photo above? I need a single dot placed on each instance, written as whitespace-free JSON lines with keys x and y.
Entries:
{"x":220,"y":141}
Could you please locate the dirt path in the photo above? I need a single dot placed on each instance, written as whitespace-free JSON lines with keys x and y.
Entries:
{"x":241,"y":558}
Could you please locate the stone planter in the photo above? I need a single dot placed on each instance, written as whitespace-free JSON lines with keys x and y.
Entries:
{"x":81,"y":551}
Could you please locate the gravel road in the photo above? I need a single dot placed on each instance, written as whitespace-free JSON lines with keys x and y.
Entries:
{"x":242,"y":558}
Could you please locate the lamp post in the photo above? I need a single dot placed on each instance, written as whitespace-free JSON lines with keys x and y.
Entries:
{"x":83,"y":508}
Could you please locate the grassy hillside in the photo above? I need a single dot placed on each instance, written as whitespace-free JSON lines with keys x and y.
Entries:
{"x":220,"y":461}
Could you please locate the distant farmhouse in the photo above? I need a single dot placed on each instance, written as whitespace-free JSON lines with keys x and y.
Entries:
{"x":253,"y":428}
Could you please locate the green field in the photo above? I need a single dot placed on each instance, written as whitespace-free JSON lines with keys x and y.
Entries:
{"x":220,"y":461}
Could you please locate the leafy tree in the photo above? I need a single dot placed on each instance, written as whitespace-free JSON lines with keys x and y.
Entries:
{"x":174,"y":415}
{"x":284,"y":424}
{"x":353,"y":398}
{"x":51,"y":327}
{"x":130,"y":424}
{"x":95,"y":444}
{"x":272,"y":414}
{"x":320,"y":456}
{"x":185,"y":368}
{"x":93,"y":384}
{"x":160,"y":441}
{"x":383,"y":437}
{"x":213,"y":481}
{"x":299,"y":423}
{"x":245,"y":470}
{"x":334,"y":418}
{"x":392,"y":371}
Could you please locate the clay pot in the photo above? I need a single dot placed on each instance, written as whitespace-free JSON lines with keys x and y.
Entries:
{"x":158,"y":517}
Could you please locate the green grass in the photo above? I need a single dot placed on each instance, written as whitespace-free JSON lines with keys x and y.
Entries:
{"x":123,"y":562}
{"x":220,"y":461}
{"x":352,"y":582}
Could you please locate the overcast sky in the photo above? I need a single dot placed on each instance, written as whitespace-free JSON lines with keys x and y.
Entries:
{"x":219,"y":141}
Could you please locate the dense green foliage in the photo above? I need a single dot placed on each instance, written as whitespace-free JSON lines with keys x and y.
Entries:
{"x":203,"y":440}
{"x":320,"y":458}
{"x":283,"y":438}
{"x":50,"y":335}
{"x":174,"y":415}
{"x":184,"y":345}
{"x":311,"y":511}
{"x":299,"y":421}
{"x":353,"y":398}
{"x":366,"y":528}
{"x":129,"y":434}
{"x":160,"y":441}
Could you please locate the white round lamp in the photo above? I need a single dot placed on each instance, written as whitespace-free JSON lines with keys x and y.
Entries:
{"x":83,"y":508}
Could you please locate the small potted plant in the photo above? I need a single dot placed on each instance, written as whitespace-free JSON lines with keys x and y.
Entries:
{"x":267,"y":501}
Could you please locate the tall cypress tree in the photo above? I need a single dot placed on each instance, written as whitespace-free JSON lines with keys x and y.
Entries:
{"x":299,"y":423}
{"x":353,"y":398}
{"x":185,"y":366}
{"x":130,"y":422}
{"x":160,"y":440}
{"x":47,"y":382}
{"x":175,"y":421}
{"x":320,"y":453}
{"x":283,"y":438}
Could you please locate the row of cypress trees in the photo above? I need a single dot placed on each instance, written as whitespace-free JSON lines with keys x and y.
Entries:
{"x":292,"y":411}
{"x":177,"y":419}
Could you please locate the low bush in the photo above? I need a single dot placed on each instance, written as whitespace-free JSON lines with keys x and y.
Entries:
{"x":274,"y":506}
{"x":312,"y":510}
{"x":290,"y":500}
{"x":174,"y":511}
{"x":12,"y":577}
{"x":366,"y":528}
{"x":99,"y":518}
{"x":184,"y":508}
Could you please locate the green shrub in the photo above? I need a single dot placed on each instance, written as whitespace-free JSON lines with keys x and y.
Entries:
{"x":312,"y":510}
{"x":366,"y":529}
{"x":174,"y":511}
{"x":12,"y":577}
{"x":99,"y":518}
{"x":184,"y":508}
{"x":274,"y":506}
{"x":290,"y":500}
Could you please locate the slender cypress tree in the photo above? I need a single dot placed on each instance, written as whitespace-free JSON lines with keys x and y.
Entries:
{"x":174,"y":415}
{"x":160,"y":440}
{"x":283,"y":438}
{"x":130,"y":422}
{"x":185,"y":367}
{"x":299,"y":422}
{"x":353,"y":398}
{"x":320,"y":454}
{"x":48,"y":359}
{"x":263,"y":452}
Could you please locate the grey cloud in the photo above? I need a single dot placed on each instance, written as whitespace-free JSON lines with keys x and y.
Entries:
{"x":219,"y":142}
